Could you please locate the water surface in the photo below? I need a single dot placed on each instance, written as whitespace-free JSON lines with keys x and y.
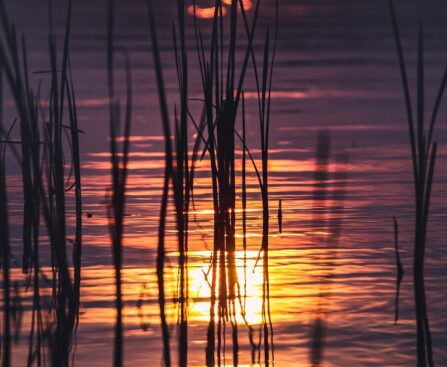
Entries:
{"x":337,"y":70}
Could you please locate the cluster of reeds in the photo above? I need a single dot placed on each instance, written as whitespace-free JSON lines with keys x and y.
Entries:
{"x":178,"y":173}
{"x":41,"y":155}
{"x":4,"y":243}
{"x":222,"y":93}
{"x":423,"y":154}
{"x":45,"y":181}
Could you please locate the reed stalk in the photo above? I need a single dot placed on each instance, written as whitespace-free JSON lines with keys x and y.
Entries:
{"x":55,"y":211}
{"x":181,"y":180}
{"x":119,"y":173}
{"x":264,"y":102}
{"x":168,"y":172}
{"x":423,"y":154}
{"x":46,"y":197}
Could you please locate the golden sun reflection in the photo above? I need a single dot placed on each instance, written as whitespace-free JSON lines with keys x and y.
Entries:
{"x":207,"y":12}
{"x":247,"y":3}
{"x":250,"y":289}
{"x":204,"y":12}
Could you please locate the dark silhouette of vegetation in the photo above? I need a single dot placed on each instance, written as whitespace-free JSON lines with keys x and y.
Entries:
{"x":4,"y":245}
{"x":119,"y":173}
{"x":167,"y":177}
{"x":45,"y":196}
{"x":221,"y":96}
{"x":44,"y":139}
{"x":423,"y":154}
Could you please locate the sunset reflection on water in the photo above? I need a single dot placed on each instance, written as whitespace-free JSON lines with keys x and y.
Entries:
{"x":202,"y":11}
{"x":337,"y":70}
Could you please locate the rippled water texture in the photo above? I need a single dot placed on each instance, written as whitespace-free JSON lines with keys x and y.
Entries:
{"x":336,"y":70}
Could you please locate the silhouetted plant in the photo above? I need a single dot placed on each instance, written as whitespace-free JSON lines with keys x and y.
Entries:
{"x":119,"y":173}
{"x":423,"y":153}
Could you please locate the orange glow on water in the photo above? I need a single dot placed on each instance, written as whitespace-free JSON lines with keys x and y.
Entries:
{"x":201,"y":292}
{"x":248,"y":4}
{"x":207,"y":12}
{"x":204,"y":12}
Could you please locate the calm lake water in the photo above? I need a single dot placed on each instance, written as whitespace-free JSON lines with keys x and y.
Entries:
{"x":336,"y":70}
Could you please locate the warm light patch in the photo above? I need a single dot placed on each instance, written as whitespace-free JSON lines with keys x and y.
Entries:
{"x":204,"y":12}
{"x":207,"y":12}
{"x":200,"y":292}
{"x":248,"y":4}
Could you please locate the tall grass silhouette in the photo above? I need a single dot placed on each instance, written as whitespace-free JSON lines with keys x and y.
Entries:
{"x":45,"y":188}
{"x":222,"y":92}
{"x":166,"y":183}
{"x":233,"y":54}
{"x":423,"y":155}
{"x":119,"y":173}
